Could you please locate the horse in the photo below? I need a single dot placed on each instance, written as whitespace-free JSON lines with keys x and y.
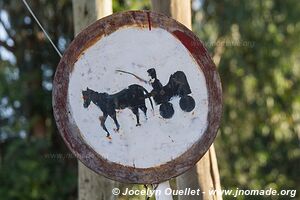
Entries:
{"x":132,"y":97}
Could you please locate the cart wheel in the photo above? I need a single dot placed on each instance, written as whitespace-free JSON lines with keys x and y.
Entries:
{"x":187,"y":103}
{"x":166,"y":110}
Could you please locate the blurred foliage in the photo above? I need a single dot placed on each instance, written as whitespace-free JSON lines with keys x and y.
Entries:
{"x":29,"y":173}
{"x":27,"y":129}
{"x":122,"y":5}
{"x":258,"y":41}
{"x":258,"y":142}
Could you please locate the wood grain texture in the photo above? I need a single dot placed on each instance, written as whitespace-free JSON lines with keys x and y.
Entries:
{"x":70,"y":131}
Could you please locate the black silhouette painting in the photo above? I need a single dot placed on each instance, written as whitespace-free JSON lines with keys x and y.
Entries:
{"x":133,"y":98}
{"x":177,"y":86}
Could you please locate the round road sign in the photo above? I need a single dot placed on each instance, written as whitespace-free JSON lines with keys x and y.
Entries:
{"x":137,"y":98}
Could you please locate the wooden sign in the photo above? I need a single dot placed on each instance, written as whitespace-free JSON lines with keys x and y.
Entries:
{"x":137,"y":98}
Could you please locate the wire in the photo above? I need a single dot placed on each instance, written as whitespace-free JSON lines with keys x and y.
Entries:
{"x":37,"y":21}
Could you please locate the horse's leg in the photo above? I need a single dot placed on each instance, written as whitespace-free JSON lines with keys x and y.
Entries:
{"x":114,"y":117}
{"x":144,"y":109}
{"x":102,"y":120}
{"x":136,"y":112}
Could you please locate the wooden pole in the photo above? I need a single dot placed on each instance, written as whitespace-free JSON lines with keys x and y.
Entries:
{"x":92,"y":186}
{"x":205,"y":175}
{"x":162,"y":187}
{"x":178,"y":9}
{"x":85,"y":12}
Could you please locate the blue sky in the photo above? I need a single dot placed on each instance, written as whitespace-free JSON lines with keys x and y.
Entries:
{"x":5,"y":54}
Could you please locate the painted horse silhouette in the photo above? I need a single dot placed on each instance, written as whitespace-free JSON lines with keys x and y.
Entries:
{"x":176,"y":86}
{"x":133,"y":98}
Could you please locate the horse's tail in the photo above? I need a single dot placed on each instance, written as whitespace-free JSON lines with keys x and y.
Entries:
{"x":148,"y":95}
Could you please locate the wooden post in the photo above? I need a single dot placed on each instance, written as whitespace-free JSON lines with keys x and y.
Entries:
{"x":205,"y":175}
{"x":178,"y":9}
{"x":162,"y":187}
{"x":90,"y":184}
{"x":88,"y":11}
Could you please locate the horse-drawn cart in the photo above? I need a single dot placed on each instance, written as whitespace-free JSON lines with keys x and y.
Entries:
{"x":177,"y":86}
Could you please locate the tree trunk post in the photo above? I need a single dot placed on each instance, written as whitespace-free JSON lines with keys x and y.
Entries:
{"x":162,"y":187}
{"x":92,"y":186}
{"x":86,"y":12}
{"x":205,"y":175}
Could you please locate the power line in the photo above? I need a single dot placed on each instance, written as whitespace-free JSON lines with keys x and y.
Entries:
{"x":37,"y":21}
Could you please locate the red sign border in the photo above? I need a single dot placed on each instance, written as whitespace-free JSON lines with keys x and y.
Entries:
{"x":69,"y":130}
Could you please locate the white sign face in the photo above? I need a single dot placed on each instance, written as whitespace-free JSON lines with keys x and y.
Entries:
{"x":96,"y":89}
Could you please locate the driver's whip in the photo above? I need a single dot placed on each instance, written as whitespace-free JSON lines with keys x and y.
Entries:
{"x":139,"y":78}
